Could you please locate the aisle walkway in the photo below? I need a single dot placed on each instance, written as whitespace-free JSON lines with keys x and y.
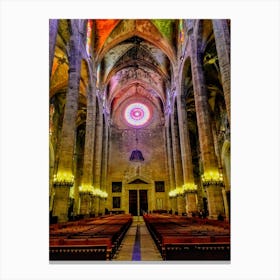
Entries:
{"x":138,"y":244}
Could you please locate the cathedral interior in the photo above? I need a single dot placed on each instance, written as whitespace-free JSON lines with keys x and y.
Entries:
{"x":139,"y":137}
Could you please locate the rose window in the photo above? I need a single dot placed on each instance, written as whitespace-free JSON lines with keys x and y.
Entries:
{"x":137,"y":114}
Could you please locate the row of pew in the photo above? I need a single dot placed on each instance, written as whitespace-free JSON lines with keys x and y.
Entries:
{"x":88,"y":239}
{"x":184,"y":238}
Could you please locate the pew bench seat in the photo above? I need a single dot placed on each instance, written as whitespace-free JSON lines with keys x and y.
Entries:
{"x":81,"y":249}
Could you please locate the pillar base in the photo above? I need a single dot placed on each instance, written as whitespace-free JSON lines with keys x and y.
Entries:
{"x":215,"y":200}
{"x":94,"y":206}
{"x":102,"y":206}
{"x":61,"y":203}
{"x":181,"y":205}
{"x":85,"y":203}
{"x":191,"y":203}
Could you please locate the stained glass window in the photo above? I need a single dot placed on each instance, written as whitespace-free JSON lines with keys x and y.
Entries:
{"x":89,"y":34}
{"x":181,"y":30}
{"x":137,"y":114}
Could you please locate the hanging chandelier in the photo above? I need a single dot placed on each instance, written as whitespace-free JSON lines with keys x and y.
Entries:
{"x":136,"y":155}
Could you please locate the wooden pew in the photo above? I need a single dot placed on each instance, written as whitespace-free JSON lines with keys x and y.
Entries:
{"x":194,"y":248}
{"x":90,"y":239}
{"x":180,"y":238}
{"x":81,"y":249}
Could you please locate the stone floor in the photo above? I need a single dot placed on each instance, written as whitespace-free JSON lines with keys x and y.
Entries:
{"x":137,"y":244}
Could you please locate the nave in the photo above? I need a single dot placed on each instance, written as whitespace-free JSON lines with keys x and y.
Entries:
{"x":138,"y":244}
{"x":152,"y":237}
{"x":139,"y":126}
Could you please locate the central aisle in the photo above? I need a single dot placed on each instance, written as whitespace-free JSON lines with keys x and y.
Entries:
{"x":137,"y":244}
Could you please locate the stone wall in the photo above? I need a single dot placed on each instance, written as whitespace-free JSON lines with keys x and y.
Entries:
{"x":151,"y":143}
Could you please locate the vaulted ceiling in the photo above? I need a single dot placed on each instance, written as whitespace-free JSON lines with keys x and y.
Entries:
{"x":134,"y":59}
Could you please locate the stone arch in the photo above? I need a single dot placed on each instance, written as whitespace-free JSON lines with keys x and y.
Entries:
{"x":157,"y":40}
{"x":185,"y":73}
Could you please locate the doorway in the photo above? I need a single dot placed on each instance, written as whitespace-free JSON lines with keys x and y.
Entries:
{"x":143,"y":201}
{"x":133,"y":202}
{"x":138,"y":202}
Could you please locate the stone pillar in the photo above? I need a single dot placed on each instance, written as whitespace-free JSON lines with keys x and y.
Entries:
{"x":211,"y":178}
{"x":102,"y":202}
{"x":181,"y":204}
{"x":53,"y":27}
{"x":174,"y":204}
{"x":85,"y":203}
{"x":216,"y":144}
{"x":225,"y":203}
{"x":176,"y":156}
{"x":186,"y":153}
{"x":96,"y":205}
{"x":87,"y":181}
{"x":104,"y":168}
{"x":222,"y":39}
{"x":167,"y":204}
{"x":64,"y":178}
{"x":98,"y":151}
{"x":191,"y":202}
{"x":61,"y":202}
{"x":185,"y":146}
{"x":170,"y":160}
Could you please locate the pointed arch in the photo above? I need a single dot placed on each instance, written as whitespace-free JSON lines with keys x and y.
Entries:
{"x":159,"y":41}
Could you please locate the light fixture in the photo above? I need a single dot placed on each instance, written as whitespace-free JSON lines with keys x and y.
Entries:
{"x":63,"y":179}
{"x":136,"y":155}
{"x":212,"y":178}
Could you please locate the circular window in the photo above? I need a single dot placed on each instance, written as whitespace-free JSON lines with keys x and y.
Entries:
{"x":137,"y":114}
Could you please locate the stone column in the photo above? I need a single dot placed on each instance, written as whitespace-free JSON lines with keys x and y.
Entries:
{"x":64,"y":178}
{"x":191,"y":202}
{"x":170,"y":161}
{"x":177,"y":158}
{"x":85,"y":203}
{"x":98,"y":151}
{"x":225,"y":203}
{"x":222,"y":39}
{"x":87,"y":181}
{"x":53,"y":27}
{"x":186,"y":153}
{"x":166,"y":204}
{"x":95,"y":205}
{"x":173,"y":204}
{"x":181,"y":204}
{"x":216,"y":144}
{"x":211,"y":178}
{"x":104,"y":168}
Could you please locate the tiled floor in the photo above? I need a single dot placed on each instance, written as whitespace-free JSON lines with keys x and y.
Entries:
{"x":138,"y":244}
